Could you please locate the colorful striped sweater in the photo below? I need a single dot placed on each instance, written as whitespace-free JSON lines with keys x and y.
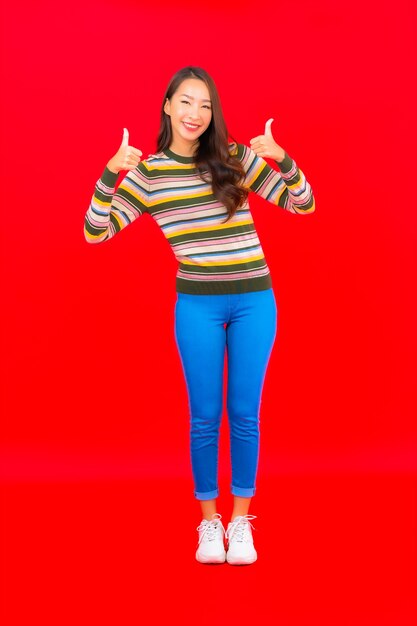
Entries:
{"x":214,"y":257}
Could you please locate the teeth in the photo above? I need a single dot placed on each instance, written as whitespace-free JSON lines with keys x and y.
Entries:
{"x":191,"y":125}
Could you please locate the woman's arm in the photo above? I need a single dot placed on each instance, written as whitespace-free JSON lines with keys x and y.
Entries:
{"x":287,"y":188}
{"x":110,"y":211}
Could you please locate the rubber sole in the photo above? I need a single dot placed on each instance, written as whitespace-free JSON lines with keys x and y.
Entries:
{"x":211,"y":559}
{"x":239,"y":561}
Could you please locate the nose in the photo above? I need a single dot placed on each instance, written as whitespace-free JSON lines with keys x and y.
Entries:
{"x":194,"y":112}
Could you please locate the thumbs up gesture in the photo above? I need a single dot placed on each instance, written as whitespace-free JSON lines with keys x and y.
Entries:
{"x":265,"y":145}
{"x":126,"y":158}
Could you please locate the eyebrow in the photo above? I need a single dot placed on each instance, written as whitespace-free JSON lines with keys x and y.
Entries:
{"x":191,"y":97}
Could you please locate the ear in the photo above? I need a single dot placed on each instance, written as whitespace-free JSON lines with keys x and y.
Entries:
{"x":167,"y":107}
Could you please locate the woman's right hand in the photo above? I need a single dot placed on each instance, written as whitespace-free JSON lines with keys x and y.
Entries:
{"x":126,"y":158}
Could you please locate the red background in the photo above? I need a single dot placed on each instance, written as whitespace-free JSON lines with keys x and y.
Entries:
{"x":92,"y":387}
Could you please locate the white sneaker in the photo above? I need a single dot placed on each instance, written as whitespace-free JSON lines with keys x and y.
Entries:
{"x":211,"y":541}
{"x":241,"y":550}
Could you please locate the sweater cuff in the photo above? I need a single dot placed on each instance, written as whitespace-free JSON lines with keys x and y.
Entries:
{"x":285,"y":165}
{"x":109,"y":178}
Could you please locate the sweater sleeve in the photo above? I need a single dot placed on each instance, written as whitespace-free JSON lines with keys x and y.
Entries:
{"x":110,"y":211}
{"x":287,"y":188}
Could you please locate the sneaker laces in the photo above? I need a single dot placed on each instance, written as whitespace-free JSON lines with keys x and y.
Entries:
{"x":210,"y":528}
{"x":239,"y":528}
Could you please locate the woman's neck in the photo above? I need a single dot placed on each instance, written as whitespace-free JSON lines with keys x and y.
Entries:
{"x":183,"y":148}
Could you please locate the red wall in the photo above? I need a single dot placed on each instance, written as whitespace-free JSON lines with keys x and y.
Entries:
{"x":91,"y":379}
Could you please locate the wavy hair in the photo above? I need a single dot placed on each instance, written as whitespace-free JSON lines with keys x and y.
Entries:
{"x":213,"y":160}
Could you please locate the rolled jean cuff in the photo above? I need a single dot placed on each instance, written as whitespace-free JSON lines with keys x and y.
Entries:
{"x":206,"y":495}
{"x":244,"y":493}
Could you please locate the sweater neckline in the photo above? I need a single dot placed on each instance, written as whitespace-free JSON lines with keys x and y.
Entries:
{"x":179,"y":157}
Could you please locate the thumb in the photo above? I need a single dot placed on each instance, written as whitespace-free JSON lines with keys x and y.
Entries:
{"x":268,"y":132}
{"x":125,"y":140}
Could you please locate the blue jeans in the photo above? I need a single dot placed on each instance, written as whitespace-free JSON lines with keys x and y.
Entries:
{"x":205,"y":326}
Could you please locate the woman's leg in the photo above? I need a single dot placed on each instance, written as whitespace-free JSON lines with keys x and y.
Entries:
{"x":208,"y":508}
{"x":201,"y":341}
{"x":250,"y":337}
{"x":240,"y":506}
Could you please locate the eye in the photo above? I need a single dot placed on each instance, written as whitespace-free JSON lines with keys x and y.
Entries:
{"x":206,"y":106}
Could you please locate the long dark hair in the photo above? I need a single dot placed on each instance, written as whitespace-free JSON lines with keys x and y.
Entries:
{"x":212,"y":158}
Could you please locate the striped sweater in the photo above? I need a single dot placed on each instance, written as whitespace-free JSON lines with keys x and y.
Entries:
{"x":213,"y":257}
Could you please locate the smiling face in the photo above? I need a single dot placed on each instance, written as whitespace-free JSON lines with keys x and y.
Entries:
{"x":190,"y":112}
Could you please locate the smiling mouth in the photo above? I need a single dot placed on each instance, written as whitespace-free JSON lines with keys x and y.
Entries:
{"x":191,"y":126}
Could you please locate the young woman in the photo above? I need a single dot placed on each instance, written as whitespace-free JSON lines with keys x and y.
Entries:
{"x":196,"y":187}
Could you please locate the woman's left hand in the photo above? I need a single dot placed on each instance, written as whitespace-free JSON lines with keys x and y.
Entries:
{"x":266,"y":146}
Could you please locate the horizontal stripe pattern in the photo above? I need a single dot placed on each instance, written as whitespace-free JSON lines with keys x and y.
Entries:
{"x":214,"y":257}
